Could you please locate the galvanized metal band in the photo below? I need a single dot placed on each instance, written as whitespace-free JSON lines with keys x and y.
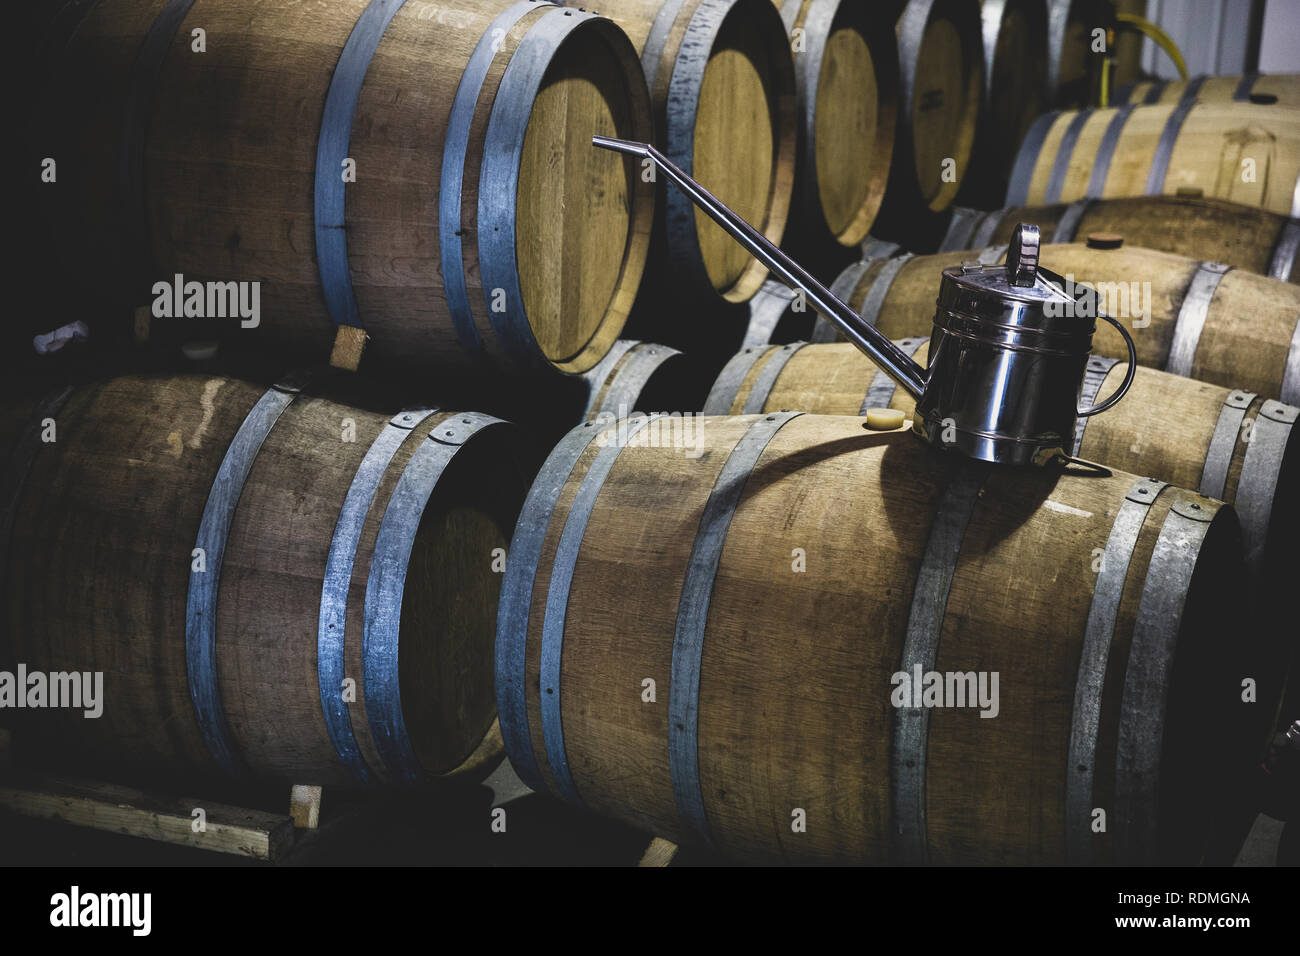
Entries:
{"x":451,"y":186}
{"x":332,"y":621}
{"x":983,"y":235}
{"x":1284,"y":253}
{"x":1295,"y":197}
{"x":824,"y":330}
{"x":13,"y":477}
{"x":387,"y":581}
{"x":1022,"y":173}
{"x":692,"y":618}
{"x":1260,"y":471}
{"x":517,"y":599}
{"x":1191,"y":317}
{"x":1106,"y":151}
{"x":632,"y":376}
{"x":765,"y":381}
{"x":911,"y":725}
{"x":205,"y":585}
{"x":875,"y":297}
{"x":1094,"y":655}
{"x":1291,"y":371}
{"x":873,"y":248}
{"x":1061,"y":164}
{"x":331,"y":151}
{"x":881,"y":390}
{"x":1192,"y":90}
{"x":1242,"y":93}
{"x":765,"y":311}
{"x":503,"y":145}
{"x":991,"y":13}
{"x":726,"y":387}
{"x":1094,"y":374}
{"x":598,"y":375}
{"x":1068,"y":224}
{"x":1168,"y":136}
{"x":1143,"y":706}
{"x":656,"y":40}
{"x":992,"y":255}
{"x":960,"y":227}
{"x":1218,"y":458}
{"x":808,"y":76}
{"x":1154,"y":92}
{"x":557,"y":605}
{"x":137,"y":112}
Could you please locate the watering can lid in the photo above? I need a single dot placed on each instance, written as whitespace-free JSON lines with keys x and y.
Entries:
{"x":1018,"y":280}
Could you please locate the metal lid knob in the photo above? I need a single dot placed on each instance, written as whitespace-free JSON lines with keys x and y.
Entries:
{"x":1022,"y":256}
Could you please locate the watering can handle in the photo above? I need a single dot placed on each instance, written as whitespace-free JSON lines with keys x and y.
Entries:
{"x":1128,"y":375}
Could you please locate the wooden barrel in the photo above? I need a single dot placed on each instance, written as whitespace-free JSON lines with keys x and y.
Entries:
{"x":941,"y":81}
{"x":1264,"y":89}
{"x":1074,"y":66}
{"x":1201,"y":320}
{"x":1237,"y":151}
{"x":846,"y":73}
{"x":1245,"y":237}
{"x":634,"y":376}
{"x":419,"y":171}
{"x":272,"y":584}
{"x":726,"y":665}
{"x":722,"y":83}
{"x":1190,"y":433}
{"x":1015,"y":93}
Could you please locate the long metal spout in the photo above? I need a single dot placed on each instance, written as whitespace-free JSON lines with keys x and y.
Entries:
{"x":890,"y":358}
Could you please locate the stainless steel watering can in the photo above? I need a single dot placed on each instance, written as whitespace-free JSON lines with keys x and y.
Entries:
{"x":1007,"y":355}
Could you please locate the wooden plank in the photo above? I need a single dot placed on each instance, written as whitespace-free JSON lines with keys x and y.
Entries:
{"x":304,"y":806}
{"x":182,"y":821}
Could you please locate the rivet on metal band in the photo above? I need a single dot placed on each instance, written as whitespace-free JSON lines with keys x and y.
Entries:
{"x":1061,"y":163}
{"x":515,"y":606}
{"x":386,"y":583}
{"x":881,"y":390}
{"x":557,"y":605}
{"x":1218,"y":458}
{"x":332,"y":621}
{"x":692,"y":616}
{"x":451,"y":187}
{"x":911,"y":725}
{"x":1192,"y":315}
{"x":1068,"y":225}
{"x":1260,"y":470}
{"x":1168,"y":136}
{"x":332,"y":149}
{"x":767,"y":377}
{"x":1284,"y":253}
{"x":1094,"y":655}
{"x":1093,"y":376}
{"x":1106,"y":151}
{"x":1146,"y":678}
{"x":205,"y":586}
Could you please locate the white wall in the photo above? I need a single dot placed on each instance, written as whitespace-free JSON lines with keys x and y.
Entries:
{"x":1211,"y":34}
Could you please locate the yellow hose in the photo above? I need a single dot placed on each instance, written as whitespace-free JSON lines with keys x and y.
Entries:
{"x":1159,"y":37}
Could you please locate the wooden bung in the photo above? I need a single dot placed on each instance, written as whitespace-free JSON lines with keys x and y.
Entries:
{"x":1245,"y":237}
{"x":244,"y":565}
{"x":726,"y":665}
{"x":428,"y":178}
{"x":1241,"y":152}
{"x":722,"y":85}
{"x":1201,"y":320}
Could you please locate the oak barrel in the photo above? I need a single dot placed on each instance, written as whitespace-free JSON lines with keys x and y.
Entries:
{"x":725,"y":665}
{"x":1265,"y":89}
{"x":1202,"y":320}
{"x":422,"y":171}
{"x":1245,"y":237}
{"x":1074,"y":65}
{"x":941,"y":75}
{"x":722,"y":85}
{"x":846,"y":71}
{"x":1015,"y":93}
{"x":274,"y":585}
{"x":1237,"y":151}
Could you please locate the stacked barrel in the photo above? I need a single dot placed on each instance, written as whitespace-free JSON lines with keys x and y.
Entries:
{"x":379,"y":426}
